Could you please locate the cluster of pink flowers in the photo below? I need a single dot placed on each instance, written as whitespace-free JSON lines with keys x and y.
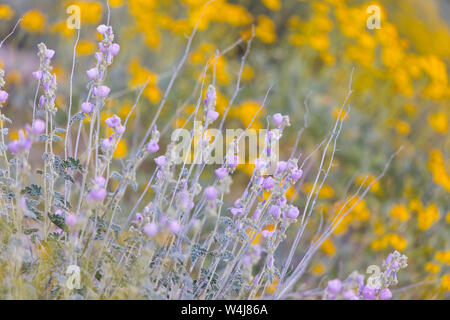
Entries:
{"x":24,"y":142}
{"x":46,"y":78}
{"x":210,"y":104}
{"x":113,"y":122}
{"x":377,"y":286}
{"x":104,"y":57}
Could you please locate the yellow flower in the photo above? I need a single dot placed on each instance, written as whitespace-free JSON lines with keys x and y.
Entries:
{"x":33,"y":21}
{"x":439,"y":122}
{"x":427,"y":217}
{"x":328,"y":247}
{"x":139,"y":76}
{"x":379,"y":229}
{"x":379,"y":244}
{"x":443,"y":257}
{"x":121,"y":150}
{"x":115,"y":3}
{"x":125,"y":110}
{"x":368,"y":179}
{"x":397,"y":242}
{"x":415,"y":205}
{"x":400,"y":212}
{"x":91,"y":11}
{"x":153,"y":94}
{"x":274,"y":5}
{"x":204,"y":51}
{"x":447,"y":217}
{"x":402,"y":127}
{"x":320,"y":42}
{"x":343,"y":115}
{"x":61,"y":27}
{"x":325,"y":192}
{"x":445,"y":282}
{"x":318,"y":269}
{"x":291,"y":194}
{"x":437,"y":166}
{"x":410,"y":109}
{"x":265,"y":29}
{"x":221,"y":70}
{"x":85,"y":47}
{"x":6,"y":12}
{"x":247,"y":73}
{"x":432,"y":267}
{"x":328,"y":58}
{"x":246,"y":112}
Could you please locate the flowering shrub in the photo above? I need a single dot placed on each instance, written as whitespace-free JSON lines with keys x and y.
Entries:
{"x":90,"y":181}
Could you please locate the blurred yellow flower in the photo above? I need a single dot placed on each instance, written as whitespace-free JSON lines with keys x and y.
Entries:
{"x":439,"y":122}
{"x":6,"y":12}
{"x":427,"y":217}
{"x":436,"y":165}
{"x":415,"y":205}
{"x":85,"y":47}
{"x":402,"y":127}
{"x":246,"y":112}
{"x":400,"y":212}
{"x":342,"y":115}
{"x":445,"y":282}
{"x":139,"y":76}
{"x":368,"y":179}
{"x":115,"y":3}
{"x":91,"y":11}
{"x":121,"y":150}
{"x":272,"y":4}
{"x":318,"y":269}
{"x":432,"y":267}
{"x":247,"y":73}
{"x":33,"y":21}
{"x":291,"y":194}
{"x":61,"y":27}
{"x":325,"y":192}
{"x":328,"y":247}
{"x":265,"y":29}
{"x":443,"y":257}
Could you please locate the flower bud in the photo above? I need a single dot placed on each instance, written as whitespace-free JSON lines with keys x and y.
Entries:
{"x":152,"y":146}
{"x":38,"y":126}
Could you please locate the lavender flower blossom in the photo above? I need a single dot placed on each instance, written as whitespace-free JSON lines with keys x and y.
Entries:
{"x":101,"y":91}
{"x":334,"y":286}
{"x":97,"y":194}
{"x":3,"y":96}
{"x":211,"y":193}
{"x":221,"y":173}
{"x":161,"y":161}
{"x":92,"y":73}
{"x":174,"y":227}
{"x":113,"y":121}
{"x":293,"y":212}
{"x":38,"y":127}
{"x":87,"y":107}
{"x":152,"y":146}
{"x":268,"y":183}
{"x":151,"y":229}
{"x":71,"y":220}
{"x":277,"y":119}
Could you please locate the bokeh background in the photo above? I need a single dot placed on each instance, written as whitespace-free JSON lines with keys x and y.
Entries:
{"x":305,"y":49}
